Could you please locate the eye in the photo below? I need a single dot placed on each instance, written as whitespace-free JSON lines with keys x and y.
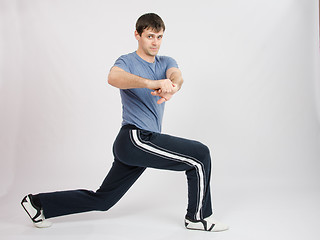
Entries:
{"x":159,"y":37}
{"x":150,"y":36}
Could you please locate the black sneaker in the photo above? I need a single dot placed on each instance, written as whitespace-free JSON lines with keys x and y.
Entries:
{"x":35,"y":212}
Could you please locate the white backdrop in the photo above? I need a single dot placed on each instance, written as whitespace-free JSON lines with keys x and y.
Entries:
{"x":251,"y":93}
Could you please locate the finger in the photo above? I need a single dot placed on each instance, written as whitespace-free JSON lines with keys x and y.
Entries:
{"x":161,"y":100}
{"x":155,"y":93}
{"x":166,"y":90}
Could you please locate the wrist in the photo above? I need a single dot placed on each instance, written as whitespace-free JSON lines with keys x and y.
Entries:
{"x":152,"y":84}
{"x":148,"y":84}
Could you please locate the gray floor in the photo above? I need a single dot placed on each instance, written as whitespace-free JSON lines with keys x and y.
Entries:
{"x":251,"y":212}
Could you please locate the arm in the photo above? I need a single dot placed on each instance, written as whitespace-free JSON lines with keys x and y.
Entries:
{"x":121,"y":79}
{"x":174,"y":74}
{"x":124,"y":80}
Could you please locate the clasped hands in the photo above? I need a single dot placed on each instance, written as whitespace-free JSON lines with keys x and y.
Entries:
{"x":165,"y":89}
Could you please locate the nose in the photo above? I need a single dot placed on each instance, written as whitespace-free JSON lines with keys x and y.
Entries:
{"x":155,"y":41}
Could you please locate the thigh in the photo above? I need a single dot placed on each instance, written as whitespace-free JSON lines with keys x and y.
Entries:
{"x":172,"y":144}
{"x":149,"y":149}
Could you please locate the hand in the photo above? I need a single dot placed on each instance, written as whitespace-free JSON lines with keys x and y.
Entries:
{"x":163,"y":85}
{"x":165,"y":96}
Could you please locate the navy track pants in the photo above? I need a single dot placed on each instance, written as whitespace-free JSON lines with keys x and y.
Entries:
{"x":135,"y":150}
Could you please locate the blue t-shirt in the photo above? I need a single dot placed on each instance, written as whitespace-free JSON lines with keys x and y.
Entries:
{"x":139,"y":107}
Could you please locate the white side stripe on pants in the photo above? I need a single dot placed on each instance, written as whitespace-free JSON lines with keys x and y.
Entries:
{"x":191,"y":161}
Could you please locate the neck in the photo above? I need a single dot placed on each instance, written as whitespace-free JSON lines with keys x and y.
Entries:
{"x":145,"y":57}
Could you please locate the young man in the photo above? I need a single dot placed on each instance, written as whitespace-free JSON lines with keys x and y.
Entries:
{"x":146,"y":81}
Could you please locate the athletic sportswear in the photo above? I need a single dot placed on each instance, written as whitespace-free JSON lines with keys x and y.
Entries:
{"x":139,"y":145}
{"x":139,"y":107}
{"x":134,"y":150}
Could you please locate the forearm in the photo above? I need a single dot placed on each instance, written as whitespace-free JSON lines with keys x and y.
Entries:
{"x":176,"y":78}
{"x":124,"y":80}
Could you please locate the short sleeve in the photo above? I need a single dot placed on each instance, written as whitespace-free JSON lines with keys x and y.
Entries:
{"x":121,"y":63}
{"x":171,"y":63}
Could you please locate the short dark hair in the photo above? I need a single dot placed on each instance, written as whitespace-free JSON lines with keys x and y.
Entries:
{"x":149,"y":20}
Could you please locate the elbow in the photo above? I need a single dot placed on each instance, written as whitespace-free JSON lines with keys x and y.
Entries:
{"x":180,"y":83}
{"x":114,"y":82}
{"x":111,"y":80}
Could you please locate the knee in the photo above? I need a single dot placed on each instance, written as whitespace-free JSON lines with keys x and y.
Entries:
{"x":204,"y":154}
{"x":102,"y":203}
{"x":102,"y":208}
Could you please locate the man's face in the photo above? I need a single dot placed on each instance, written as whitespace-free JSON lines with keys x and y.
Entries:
{"x":149,"y":41}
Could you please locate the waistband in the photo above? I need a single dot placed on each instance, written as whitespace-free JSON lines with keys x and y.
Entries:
{"x":129,"y":126}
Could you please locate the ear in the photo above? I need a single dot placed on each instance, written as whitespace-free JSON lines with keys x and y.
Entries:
{"x":136,"y":35}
